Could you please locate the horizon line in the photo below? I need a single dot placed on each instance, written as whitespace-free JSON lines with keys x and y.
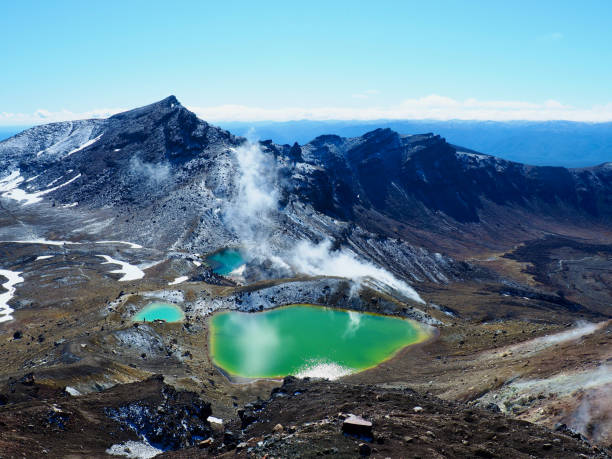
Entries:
{"x":431,"y":108}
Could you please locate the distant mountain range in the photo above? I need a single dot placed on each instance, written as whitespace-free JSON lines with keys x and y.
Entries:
{"x":550,"y":143}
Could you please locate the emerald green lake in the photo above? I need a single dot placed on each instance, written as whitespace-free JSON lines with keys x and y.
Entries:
{"x":163,"y":311}
{"x":306,"y":340}
{"x":225,"y":261}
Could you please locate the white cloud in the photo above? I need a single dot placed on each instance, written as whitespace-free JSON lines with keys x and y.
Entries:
{"x":433,"y":106}
{"x":42,"y":116}
{"x":429,"y":107}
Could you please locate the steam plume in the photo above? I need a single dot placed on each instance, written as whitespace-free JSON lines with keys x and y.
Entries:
{"x":251,"y":215}
{"x":155,"y":172}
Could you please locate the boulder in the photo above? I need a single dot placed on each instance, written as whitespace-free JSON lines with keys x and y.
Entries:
{"x":356,"y":425}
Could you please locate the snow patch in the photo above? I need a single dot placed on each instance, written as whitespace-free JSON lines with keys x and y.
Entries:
{"x":43,"y":241}
{"x":129,"y":271}
{"x":85,"y":145}
{"x":36,"y":176}
{"x":11,"y":181}
{"x":43,"y":257}
{"x":9,"y":188}
{"x":131,"y":244}
{"x":13,"y":278}
{"x":178,"y":280}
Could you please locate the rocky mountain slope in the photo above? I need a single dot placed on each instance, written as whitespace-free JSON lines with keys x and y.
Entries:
{"x":163,"y":178}
{"x":135,"y":159}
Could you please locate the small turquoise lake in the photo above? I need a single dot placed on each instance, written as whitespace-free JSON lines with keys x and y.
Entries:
{"x":159,"y":311}
{"x":225,"y":261}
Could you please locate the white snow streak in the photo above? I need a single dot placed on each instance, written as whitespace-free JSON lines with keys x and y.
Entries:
{"x":43,"y":241}
{"x":85,"y":145}
{"x":178,"y":280}
{"x":13,"y":278}
{"x":9,"y":188}
{"x":131,"y":244}
{"x":11,"y":181}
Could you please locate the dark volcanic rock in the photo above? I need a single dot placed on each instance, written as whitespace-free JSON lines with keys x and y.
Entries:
{"x":403,"y":176}
{"x":356,"y":425}
{"x":89,"y":424}
{"x":443,"y":429}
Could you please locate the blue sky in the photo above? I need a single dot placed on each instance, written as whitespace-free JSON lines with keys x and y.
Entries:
{"x":276,"y":60}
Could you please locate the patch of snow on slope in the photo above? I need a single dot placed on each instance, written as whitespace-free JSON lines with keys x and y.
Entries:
{"x":11,"y":181}
{"x":13,"y":278}
{"x":21,"y":196}
{"x":44,"y":192}
{"x":131,"y":244}
{"x":9,"y":188}
{"x":85,"y":145}
{"x":43,"y":257}
{"x":36,"y":176}
{"x":57,"y":139}
{"x":43,"y":241}
{"x":129,"y":271}
{"x":178,"y":280}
